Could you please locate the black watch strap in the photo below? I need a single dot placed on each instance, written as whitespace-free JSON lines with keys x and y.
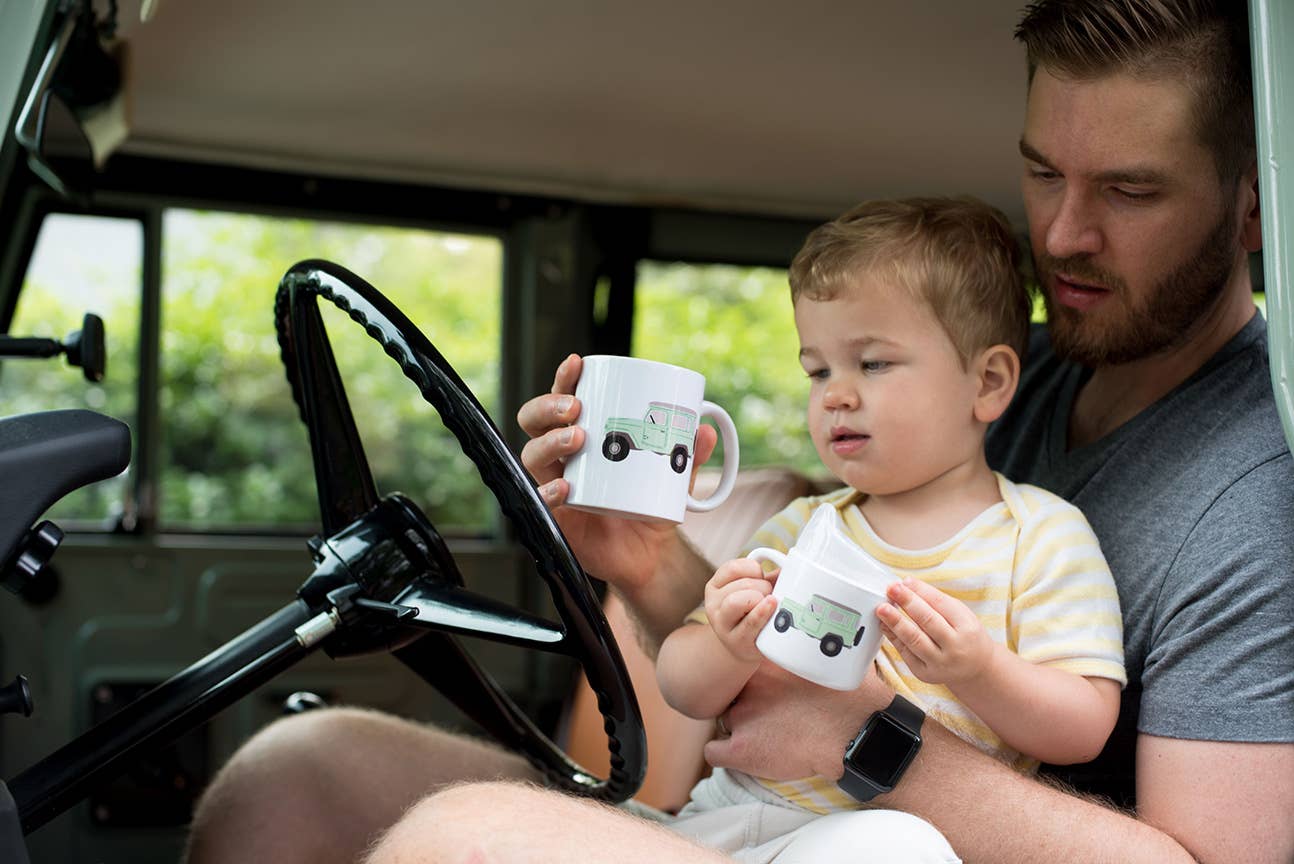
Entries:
{"x":890,"y":739}
{"x":906,"y":713}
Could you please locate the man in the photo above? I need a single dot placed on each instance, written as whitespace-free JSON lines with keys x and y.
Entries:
{"x":1140,"y":188}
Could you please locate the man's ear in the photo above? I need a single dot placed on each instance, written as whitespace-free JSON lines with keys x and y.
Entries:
{"x":1251,"y":229}
{"x":998,"y":372}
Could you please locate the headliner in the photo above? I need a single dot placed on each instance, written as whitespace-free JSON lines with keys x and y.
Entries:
{"x":782,"y":108}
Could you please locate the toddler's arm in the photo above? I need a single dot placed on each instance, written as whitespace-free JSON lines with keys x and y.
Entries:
{"x":701,"y":668}
{"x":1047,"y":713}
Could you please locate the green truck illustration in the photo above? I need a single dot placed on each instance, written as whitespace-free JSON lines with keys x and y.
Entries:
{"x":835,"y":625}
{"x":665,"y":428}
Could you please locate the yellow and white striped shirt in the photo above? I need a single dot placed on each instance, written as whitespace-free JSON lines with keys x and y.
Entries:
{"x":1029,"y":567}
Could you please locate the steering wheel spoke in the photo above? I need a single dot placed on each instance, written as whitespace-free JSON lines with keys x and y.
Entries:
{"x":457,"y":610}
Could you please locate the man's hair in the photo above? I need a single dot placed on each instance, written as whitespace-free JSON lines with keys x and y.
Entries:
{"x":1203,"y":43}
{"x":957,"y":255}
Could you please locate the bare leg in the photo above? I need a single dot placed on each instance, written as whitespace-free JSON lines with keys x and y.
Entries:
{"x":524,"y":824}
{"x":319,"y":787}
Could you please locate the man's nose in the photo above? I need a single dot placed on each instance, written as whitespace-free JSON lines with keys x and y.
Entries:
{"x":1075,"y":227}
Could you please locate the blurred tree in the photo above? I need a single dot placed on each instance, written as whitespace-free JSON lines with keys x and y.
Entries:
{"x":235,"y":455}
{"x":234,"y":449}
{"x":733,"y":325}
{"x":64,"y":280}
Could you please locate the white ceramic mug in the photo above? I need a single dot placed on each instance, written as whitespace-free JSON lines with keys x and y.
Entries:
{"x":825,"y":628}
{"x":640,"y":419}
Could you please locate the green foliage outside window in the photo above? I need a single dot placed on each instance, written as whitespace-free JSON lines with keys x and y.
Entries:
{"x":60,"y":286}
{"x":234,"y":449}
{"x":733,"y":325}
{"x":234,"y":453}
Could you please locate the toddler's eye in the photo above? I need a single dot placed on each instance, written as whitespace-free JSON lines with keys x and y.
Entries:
{"x":875,"y":365}
{"x":817,"y":374}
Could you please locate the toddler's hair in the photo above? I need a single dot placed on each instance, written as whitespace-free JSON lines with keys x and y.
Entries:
{"x":958,"y":255}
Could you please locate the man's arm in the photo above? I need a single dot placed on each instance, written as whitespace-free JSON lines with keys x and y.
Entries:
{"x":659,"y":603}
{"x":1223,"y":802}
{"x":1205,"y":801}
{"x":990,"y":813}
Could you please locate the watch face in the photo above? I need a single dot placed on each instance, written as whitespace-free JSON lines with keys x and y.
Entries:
{"x":882,"y":751}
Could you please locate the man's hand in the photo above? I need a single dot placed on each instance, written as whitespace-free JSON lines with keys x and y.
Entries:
{"x":625,"y":552}
{"x":783,"y":727}
{"x":738,"y":603}
{"x":941,"y":639}
{"x":656,"y":573}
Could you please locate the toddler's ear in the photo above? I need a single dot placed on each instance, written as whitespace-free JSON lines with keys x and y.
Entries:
{"x":998,"y":372}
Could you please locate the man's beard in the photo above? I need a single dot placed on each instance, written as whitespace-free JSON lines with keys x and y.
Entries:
{"x":1164,"y":319}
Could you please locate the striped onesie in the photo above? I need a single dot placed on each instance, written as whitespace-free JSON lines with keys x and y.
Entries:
{"x":1029,"y":567}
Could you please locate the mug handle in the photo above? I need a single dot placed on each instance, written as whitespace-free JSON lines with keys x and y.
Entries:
{"x":728,"y":434}
{"x":763,"y":553}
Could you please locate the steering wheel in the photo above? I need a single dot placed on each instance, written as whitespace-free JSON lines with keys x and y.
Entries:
{"x":415,"y":609}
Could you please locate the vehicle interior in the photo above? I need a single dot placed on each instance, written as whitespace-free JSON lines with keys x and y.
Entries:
{"x":211,"y":479}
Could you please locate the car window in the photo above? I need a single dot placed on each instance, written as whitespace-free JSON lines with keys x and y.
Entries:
{"x":80,"y":264}
{"x":234,"y":451}
{"x":733,"y":325}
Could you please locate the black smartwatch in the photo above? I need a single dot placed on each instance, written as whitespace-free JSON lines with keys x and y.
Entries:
{"x":882,"y":750}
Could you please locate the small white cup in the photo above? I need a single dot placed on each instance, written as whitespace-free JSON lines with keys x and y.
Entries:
{"x":639,"y":419}
{"x":825,"y":628}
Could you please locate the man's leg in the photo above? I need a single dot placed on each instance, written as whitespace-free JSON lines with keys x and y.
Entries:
{"x":320,"y":786}
{"x":514,"y":822}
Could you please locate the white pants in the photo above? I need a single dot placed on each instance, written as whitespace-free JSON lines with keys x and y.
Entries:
{"x":735,"y":815}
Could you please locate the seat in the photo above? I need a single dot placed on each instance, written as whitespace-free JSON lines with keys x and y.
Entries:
{"x":674,"y":741}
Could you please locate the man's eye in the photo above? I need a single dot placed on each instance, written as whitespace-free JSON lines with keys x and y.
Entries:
{"x":1043,"y":175}
{"x":1133,"y":194}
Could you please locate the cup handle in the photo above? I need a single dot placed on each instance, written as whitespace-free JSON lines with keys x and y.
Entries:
{"x":763,"y":553}
{"x":731,"y":459}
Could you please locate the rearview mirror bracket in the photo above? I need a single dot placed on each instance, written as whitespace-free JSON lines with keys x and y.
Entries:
{"x":52,"y":125}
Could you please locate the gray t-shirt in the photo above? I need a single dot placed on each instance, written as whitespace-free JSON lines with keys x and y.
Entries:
{"x":1193,"y":502}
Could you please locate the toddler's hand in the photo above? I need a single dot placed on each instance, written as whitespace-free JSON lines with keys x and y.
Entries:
{"x":738,"y":604}
{"x":941,"y":639}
